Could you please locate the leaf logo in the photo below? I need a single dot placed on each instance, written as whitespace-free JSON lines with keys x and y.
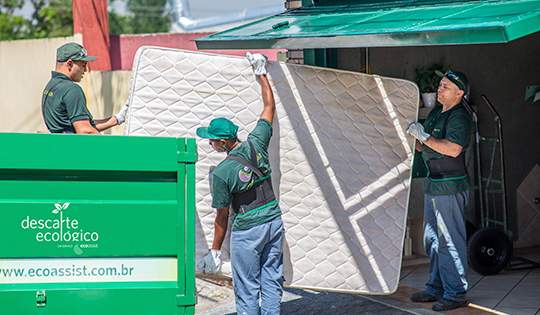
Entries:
{"x":58,"y":208}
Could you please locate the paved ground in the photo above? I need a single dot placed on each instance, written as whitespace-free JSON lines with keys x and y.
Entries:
{"x":515,"y":292}
{"x":297,"y":301}
{"x":215,"y":297}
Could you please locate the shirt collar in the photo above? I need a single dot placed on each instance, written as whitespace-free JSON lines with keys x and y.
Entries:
{"x":58,"y":75}
{"x":459,"y":105}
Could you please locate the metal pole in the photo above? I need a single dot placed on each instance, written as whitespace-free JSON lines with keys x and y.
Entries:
{"x":367,"y":61}
{"x":478,"y":161}
{"x":498,"y":121}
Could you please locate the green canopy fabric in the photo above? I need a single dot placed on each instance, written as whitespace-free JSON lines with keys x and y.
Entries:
{"x":386,"y":24}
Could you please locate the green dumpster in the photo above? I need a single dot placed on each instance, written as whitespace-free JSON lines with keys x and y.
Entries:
{"x":97,"y":225}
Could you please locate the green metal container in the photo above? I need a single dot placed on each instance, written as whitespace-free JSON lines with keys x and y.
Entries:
{"x":97,"y":225}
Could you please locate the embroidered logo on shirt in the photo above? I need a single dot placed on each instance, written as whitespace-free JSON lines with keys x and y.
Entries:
{"x":245,"y":174}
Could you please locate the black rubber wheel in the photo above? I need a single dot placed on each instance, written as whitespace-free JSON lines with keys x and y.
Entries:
{"x":470,"y":228}
{"x":489,"y":251}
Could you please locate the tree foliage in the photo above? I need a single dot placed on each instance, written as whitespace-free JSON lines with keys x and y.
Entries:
{"x":54,"y":18}
{"x":145,"y":16}
{"x":50,"y":18}
{"x":12,"y":26}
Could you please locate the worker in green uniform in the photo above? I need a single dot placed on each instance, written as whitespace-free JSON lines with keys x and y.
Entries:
{"x":63,"y":103}
{"x":242,"y":181}
{"x":442,"y":139}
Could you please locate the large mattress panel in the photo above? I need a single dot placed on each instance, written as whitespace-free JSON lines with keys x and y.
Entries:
{"x":340,"y":156}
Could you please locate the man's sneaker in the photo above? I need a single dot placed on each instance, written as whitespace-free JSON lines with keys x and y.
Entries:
{"x":423,"y":297}
{"x":446,"y":305}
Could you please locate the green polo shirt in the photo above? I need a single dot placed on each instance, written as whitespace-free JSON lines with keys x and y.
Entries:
{"x":455,"y":126}
{"x":230,"y":177}
{"x":62,"y":103}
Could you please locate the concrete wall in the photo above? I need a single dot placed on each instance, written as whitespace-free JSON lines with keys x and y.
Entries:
{"x":106,"y":92}
{"x":500,"y":71}
{"x":26,"y":67}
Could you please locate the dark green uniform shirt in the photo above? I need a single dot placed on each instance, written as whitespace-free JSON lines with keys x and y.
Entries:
{"x":230,"y":177}
{"x":455,"y":126}
{"x":62,"y":103}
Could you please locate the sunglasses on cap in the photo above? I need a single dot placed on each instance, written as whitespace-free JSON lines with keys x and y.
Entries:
{"x":458,"y":78}
{"x":452,"y":76}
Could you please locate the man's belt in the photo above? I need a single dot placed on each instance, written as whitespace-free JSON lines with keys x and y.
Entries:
{"x":447,"y":167}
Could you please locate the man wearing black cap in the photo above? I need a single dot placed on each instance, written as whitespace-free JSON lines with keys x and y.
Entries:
{"x":63,"y":102}
{"x":442,"y":139}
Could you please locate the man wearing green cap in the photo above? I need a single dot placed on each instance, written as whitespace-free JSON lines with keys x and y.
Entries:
{"x":442,"y":139}
{"x":63,"y":102}
{"x":242,"y":181}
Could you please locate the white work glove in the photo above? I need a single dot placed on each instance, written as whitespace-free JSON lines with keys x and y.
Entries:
{"x":211,"y":262}
{"x":121,"y":115}
{"x":417,"y":130}
{"x":258,"y":62}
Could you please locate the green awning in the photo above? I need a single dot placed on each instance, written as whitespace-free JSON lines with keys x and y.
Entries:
{"x":399,"y":23}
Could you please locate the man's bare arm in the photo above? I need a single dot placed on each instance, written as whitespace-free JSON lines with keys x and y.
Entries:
{"x":106,"y":123}
{"x":220,"y":227}
{"x":268,"y":99}
{"x":444,"y":146}
{"x":84,"y":127}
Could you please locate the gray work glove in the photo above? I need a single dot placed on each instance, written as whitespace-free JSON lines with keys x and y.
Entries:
{"x":121,"y":115}
{"x":211,"y":262}
{"x":417,"y":130}
{"x":258,"y":62}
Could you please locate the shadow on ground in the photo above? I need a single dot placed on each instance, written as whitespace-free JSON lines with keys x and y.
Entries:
{"x":306,"y":302}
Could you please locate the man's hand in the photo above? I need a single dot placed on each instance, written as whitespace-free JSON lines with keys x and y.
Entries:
{"x":121,"y":115}
{"x":211,"y":262}
{"x":418,"y":146}
{"x":417,"y":130}
{"x":258,"y":62}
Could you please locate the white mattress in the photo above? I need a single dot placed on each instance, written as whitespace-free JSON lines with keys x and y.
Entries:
{"x":340,"y":156}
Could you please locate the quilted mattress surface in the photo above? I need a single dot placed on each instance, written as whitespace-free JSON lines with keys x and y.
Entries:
{"x":340,"y":156}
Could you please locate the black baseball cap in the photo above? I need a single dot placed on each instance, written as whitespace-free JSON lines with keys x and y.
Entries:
{"x":456,"y":77}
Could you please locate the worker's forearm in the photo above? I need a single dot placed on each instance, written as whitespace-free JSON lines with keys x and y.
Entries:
{"x":220,"y":229}
{"x":267,"y":94}
{"x":268,"y":99}
{"x":87,"y":131}
{"x":444,"y":146}
{"x":84,"y":127}
{"x":104,"y":124}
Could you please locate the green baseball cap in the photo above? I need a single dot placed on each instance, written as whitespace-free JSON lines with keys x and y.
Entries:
{"x":72,"y":51}
{"x":219,"y":128}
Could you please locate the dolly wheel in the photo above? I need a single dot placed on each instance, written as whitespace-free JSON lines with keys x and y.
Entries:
{"x":470,"y":228}
{"x":490,"y":251}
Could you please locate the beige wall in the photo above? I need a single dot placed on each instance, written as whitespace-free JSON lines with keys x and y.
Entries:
{"x":26,"y":67}
{"x":106,"y":92}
